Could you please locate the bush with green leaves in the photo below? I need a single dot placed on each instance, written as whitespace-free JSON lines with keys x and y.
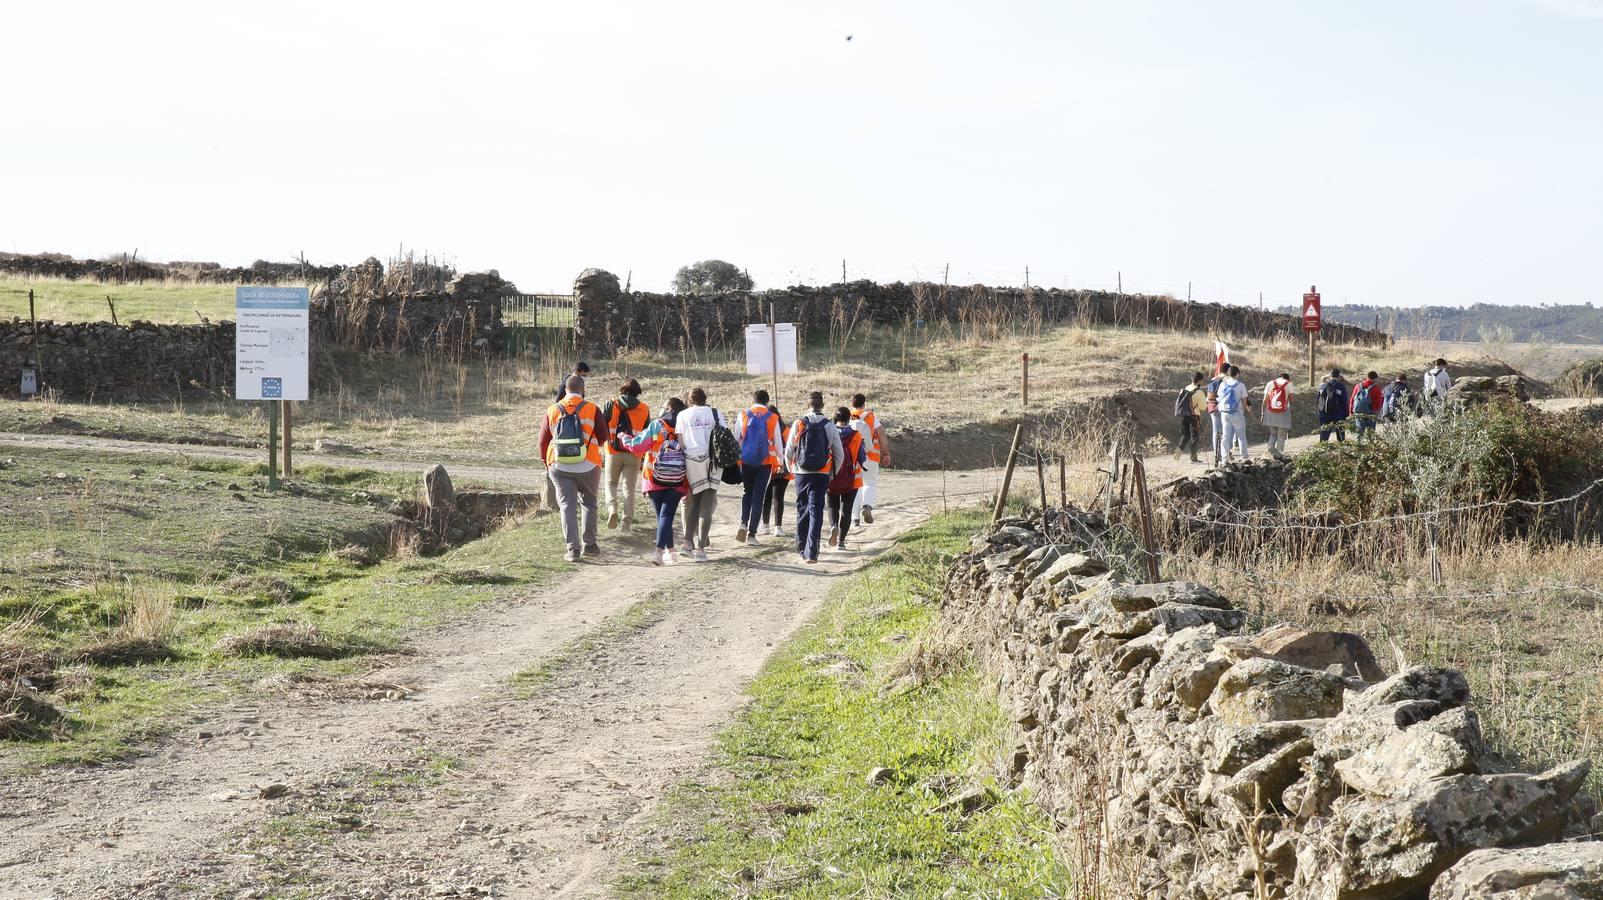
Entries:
{"x":711,"y":276}
{"x":1500,"y":451}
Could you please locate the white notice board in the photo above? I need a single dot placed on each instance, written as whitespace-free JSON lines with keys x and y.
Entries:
{"x":271,"y":333}
{"x":760,"y":349}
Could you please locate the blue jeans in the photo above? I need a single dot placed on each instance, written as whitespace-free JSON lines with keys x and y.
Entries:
{"x":810,"y":492}
{"x":666,"y":503}
{"x":755,"y":480}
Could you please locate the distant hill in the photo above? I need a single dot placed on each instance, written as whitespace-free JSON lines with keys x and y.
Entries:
{"x":1575,"y":324}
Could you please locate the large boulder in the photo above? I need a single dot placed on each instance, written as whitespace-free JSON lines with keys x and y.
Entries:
{"x":1346,"y":651}
{"x":1550,"y":872}
{"x":1268,"y":690}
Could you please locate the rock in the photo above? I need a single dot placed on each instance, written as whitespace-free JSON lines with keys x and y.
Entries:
{"x":1187,"y":670}
{"x":1320,"y":650}
{"x":1395,"y":847}
{"x":1171,"y":617}
{"x":438,"y":492}
{"x":1407,"y":758}
{"x":1267,"y":690}
{"x":1072,"y":565}
{"x":1138,"y":597}
{"x":969,"y":801}
{"x":1446,"y":687}
{"x":1234,"y":747}
{"x":1550,"y":872}
{"x":1258,"y":786}
{"x":880,"y":775}
{"x":272,"y":792}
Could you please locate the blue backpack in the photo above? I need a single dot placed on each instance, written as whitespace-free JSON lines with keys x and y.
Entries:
{"x":754,"y":443}
{"x":814,"y":453}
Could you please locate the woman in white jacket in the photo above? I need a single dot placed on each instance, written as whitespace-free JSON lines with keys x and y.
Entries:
{"x":702,"y":477}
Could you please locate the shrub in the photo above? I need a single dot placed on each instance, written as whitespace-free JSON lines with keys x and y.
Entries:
{"x":1584,"y":379}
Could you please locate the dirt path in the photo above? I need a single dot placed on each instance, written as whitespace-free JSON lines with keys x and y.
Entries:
{"x":466,"y":788}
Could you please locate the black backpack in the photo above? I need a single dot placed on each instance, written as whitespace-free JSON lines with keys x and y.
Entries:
{"x":1333,"y":399}
{"x":1182,"y":403}
{"x":725,"y":449}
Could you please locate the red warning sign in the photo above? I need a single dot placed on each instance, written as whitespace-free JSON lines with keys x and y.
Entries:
{"x":1310,"y":310}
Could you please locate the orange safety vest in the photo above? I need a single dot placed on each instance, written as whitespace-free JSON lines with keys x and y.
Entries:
{"x":638,"y":418}
{"x":872,"y":421}
{"x":773,"y":432}
{"x":588,"y":414}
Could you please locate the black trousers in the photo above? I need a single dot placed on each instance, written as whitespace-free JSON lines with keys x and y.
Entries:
{"x":774,"y":501}
{"x":1190,"y":439}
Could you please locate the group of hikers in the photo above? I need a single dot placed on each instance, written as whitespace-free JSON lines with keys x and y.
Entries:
{"x":1225,"y":402}
{"x":681,"y":455}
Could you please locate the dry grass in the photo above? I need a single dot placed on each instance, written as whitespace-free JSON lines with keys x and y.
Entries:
{"x":290,"y":640}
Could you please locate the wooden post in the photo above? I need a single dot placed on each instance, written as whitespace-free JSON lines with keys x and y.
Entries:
{"x":1139,"y":469}
{"x":272,"y":445}
{"x":773,"y":347}
{"x":1040,"y":477}
{"x":1025,"y":382}
{"x":1435,"y":558}
{"x":1113,"y":480}
{"x":289,"y":466}
{"x":1007,"y":474}
{"x":33,"y":348}
{"x":1312,"y":377}
{"x":1063,"y":482}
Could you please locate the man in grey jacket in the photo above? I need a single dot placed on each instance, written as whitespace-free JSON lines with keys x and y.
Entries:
{"x":814,"y":452}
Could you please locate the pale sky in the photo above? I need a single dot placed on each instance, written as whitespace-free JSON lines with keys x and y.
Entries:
{"x":1391,"y":151}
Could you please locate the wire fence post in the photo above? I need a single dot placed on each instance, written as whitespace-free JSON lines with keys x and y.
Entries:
{"x":1007,"y":474}
{"x":1040,"y":477}
{"x":1138,"y":468}
{"x":1435,"y":555}
{"x":1113,"y":480}
{"x":1063,"y":482}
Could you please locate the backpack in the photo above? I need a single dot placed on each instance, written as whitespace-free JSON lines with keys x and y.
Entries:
{"x":1274,"y":399}
{"x":1364,"y":400}
{"x":624,"y":427}
{"x":1182,"y":403}
{"x":669,"y":468}
{"x":725,"y":449}
{"x":754,"y":443}
{"x":846,"y":479}
{"x":1333,"y":399}
{"x":813,"y":454}
{"x":568,"y":437}
{"x":1229,"y":402}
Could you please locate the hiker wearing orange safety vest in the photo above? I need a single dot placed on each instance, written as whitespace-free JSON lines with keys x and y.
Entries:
{"x":625,"y":416}
{"x":762,"y":446}
{"x":571,"y":438}
{"x":813,"y":453}
{"x":847,"y":482}
{"x":778,"y":483}
{"x":879,"y":454}
{"x":1276,"y":414}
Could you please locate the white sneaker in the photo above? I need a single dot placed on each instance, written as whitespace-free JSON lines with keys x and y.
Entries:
{"x":752,"y":541}
{"x":657,"y":558}
{"x":770,"y":530}
{"x":701,"y":556}
{"x":673,"y":558}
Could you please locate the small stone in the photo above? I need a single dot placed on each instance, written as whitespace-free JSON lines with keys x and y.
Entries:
{"x":880,"y":775}
{"x":272,"y":792}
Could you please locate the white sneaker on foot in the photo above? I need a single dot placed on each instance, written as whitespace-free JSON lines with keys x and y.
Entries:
{"x":701,"y":556}
{"x":657,"y":557}
{"x":752,"y":541}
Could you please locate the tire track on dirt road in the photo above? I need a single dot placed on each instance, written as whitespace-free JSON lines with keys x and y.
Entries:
{"x":540,"y":791}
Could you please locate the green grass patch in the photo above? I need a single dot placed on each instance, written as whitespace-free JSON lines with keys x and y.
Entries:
{"x":154,"y":589}
{"x":788,"y":809}
{"x":62,"y":300}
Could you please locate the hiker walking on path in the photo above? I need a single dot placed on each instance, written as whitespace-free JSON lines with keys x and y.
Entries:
{"x":778,"y":482}
{"x":1216,"y":425}
{"x":1277,"y":414}
{"x":847,"y":481}
{"x":1398,"y":401}
{"x":879,"y":454}
{"x":1437,"y":384}
{"x":666,"y":485}
{"x":1333,"y":400}
{"x":571,"y":438}
{"x":1189,"y":408}
{"x":1367,"y":405}
{"x":625,"y":416}
{"x":814,"y":453}
{"x":762,"y":446}
{"x":702,"y":475}
{"x":1233,"y":408}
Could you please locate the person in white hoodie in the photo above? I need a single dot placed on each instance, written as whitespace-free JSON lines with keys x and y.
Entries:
{"x":1437,"y":383}
{"x":815,"y":453}
{"x":1277,"y":414}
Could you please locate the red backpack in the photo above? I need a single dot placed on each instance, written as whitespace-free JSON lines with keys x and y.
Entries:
{"x":1275,"y":400}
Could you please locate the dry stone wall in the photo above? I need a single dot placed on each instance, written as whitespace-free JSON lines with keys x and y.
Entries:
{"x":55,"y":265}
{"x":1188,"y":756}
{"x":610,"y":320}
{"x":105,"y":361}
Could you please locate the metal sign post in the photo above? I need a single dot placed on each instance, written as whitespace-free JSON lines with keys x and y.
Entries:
{"x":773,"y":338}
{"x":1311,"y":322}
